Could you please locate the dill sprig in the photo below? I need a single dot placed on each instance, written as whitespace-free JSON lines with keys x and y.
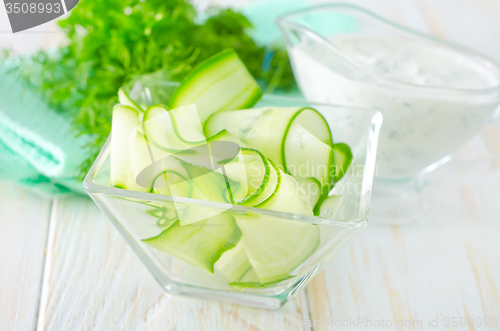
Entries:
{"x":111,"y":43}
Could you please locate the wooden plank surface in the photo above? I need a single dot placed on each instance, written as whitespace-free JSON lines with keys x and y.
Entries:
{"x":96,"y":282}
{"x":445,"y":266}
{"x":24,"y":219}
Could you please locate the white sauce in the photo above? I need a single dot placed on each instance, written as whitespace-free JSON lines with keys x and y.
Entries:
{"x":421,"y":125}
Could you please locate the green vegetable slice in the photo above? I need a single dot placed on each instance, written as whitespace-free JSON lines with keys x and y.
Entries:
{"x":289,"y":197}
{"x":126,"y":100}
{"x":151,"y":166}
{"x":272,"y":186}
{"x":212,"y":185}
{"x":173,"y":131}
{"x":251,"y":280}
{"x":142,"y":155}
{"x":125,"y":121}
{"x":239,"y":180}
{"x":308,"y":157}
{"x":270,"y":248}
{"x":291,"y":137}
{"x":250,"y":277}
{"x":222,"y":82}
{"x":225,"y":135}
{"x":243,"y":180}
{"x":328,"y":206}
{"x":166,"y":215}
{"x":200,"y":244}
{"x":342,"y":158}
{"x":181,"y":187}
{"x":275,"y":246}
{"x":312,"y":189}
{"x":234,"y":263}
{"x":255,"y":172}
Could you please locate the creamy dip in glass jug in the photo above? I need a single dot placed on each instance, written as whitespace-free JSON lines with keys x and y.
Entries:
{"x":434,"y":96}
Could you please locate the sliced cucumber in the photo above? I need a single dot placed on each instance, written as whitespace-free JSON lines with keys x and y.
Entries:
{"x":200,"y":244}
{"x":206,"y":186}
{"x":275,"y":246}
{"x":342,"y":160}
{"x":251,"y":280}
{"x":177,"y":179}
{"x":125,"y":121}
{"x":328,"y":206}
{"x":126,"y":100}
{"x":173,"y":183}
{"x":271,"y":188}
{"x":312,"y":189}
{"x":150,"y":174}
{"x":234,"y":263}
{"x":289,"y":197}
{"x":221,"y":82}
{"x":225,"y":135}
{"x":163,"y":212}
{"x":161,"y":186}
{"x":279,"y":133}
{"x":241,"y":180}
{"x":166,"y":215}
{"x":202,"y":147}
{"x":307,"y":156}
{"x":260,"y":173}
{"x":173,"y":131}
{"x":142,"y":154}
{"x":233,"y":172}
{"x":250,"y":277}
{"x":214,"y":186}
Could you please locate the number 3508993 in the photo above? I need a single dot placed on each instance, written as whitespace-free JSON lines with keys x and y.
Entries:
{"x":30,"y":7}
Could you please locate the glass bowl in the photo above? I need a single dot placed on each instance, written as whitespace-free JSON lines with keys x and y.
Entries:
{"x":139,"y":216}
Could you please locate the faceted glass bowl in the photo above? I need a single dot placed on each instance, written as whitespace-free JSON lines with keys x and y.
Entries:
{"x":138,"y":215}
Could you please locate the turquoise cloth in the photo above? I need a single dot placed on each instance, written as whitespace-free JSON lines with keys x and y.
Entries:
{"x":38,"y":147}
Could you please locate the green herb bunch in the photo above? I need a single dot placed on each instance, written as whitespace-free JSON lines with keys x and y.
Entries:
{"x":110,"y":43}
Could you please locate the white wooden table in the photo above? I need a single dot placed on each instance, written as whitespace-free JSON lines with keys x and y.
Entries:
{"x":63,"y":267}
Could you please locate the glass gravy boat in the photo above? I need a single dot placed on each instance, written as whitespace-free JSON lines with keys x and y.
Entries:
{"x":423,"y":121}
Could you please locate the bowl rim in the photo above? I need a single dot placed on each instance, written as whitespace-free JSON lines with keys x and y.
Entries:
{"x":361,"y":221}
